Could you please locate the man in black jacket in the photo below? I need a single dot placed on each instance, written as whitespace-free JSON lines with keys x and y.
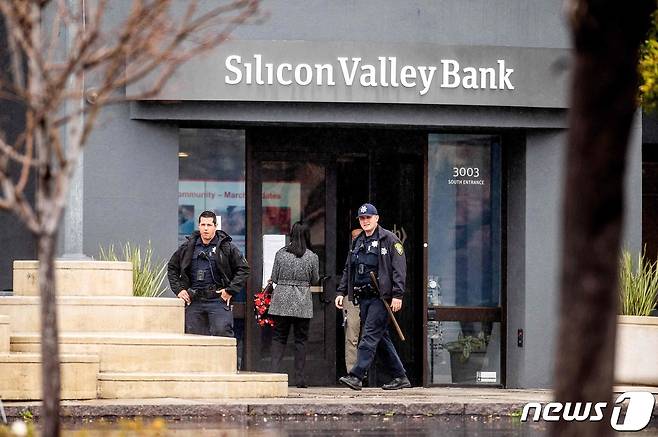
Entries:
{"x":206,"y":271}
{"x":377,"y":251}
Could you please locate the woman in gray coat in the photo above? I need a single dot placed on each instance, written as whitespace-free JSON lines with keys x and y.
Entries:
{"x":295,"y":269}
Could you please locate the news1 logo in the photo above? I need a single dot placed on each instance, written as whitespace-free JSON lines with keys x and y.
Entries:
{"x":637,"y":417}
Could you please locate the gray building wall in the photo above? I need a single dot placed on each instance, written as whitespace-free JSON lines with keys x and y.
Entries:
{"x":544,"y":172}
{"x":515,"y":261}
{"x":131,"y":184}
{"x":514,"y":23}
{"x":534,"y":231}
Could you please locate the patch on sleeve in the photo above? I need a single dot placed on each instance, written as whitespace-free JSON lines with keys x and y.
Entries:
{"x":398,"y":247}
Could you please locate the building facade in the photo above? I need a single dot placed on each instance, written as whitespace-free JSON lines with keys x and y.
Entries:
{"x":449,"y":116}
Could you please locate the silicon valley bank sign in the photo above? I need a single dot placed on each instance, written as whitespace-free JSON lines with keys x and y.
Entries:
{"x":363,"y":72}
{"x":385,"y":74}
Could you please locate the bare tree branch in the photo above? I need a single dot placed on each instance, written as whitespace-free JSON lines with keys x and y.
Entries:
{"x":67,"y":64}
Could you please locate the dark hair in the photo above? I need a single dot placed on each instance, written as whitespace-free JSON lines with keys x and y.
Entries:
{"x":208,"y":214}
{"x":300,"y":239}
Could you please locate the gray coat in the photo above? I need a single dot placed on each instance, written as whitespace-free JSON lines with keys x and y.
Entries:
{"x":293,"y":277}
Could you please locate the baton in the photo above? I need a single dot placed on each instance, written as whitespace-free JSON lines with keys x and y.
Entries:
{"x":373,"y":279}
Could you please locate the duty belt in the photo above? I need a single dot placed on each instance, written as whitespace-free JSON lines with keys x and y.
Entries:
{"x":206,"y":293}
{"x":364,"y":292}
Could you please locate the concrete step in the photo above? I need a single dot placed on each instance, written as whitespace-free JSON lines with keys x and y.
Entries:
{"x":77,"y":278}
{"x":20,"y":376}
{"x":5,"y":333}
{"x":143,"y":352}
{"x":191,"y":385}
{"x":99,"y":314}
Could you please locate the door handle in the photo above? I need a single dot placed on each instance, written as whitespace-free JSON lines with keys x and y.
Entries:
{"x":322,"y":294}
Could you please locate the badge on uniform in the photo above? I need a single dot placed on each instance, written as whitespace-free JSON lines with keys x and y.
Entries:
{"x":399,"y":248}
{"x":384,"y":251}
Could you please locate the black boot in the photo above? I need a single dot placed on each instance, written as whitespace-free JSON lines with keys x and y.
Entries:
{"x":351,"y":381}
{"x":397,"y":383}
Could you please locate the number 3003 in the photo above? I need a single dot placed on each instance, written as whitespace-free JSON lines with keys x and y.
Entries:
{"x":466,"y":171}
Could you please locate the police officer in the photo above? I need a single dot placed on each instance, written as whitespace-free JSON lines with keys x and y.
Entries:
{"x":206,"y":271}
{"x":380,"y":251}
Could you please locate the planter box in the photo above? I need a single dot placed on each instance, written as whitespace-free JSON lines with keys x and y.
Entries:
{"x":465,"y":372}
{"x":636,"y":356}
{"x":77,"y":278}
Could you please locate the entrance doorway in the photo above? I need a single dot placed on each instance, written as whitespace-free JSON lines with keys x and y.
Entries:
{"x":322,"y":176}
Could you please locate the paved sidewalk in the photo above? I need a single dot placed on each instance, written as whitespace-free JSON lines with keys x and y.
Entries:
{"x":309,"y":401}
{"x":312,"y":401}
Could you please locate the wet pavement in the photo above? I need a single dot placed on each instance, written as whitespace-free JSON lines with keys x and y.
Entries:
{"x":436,"y":411}
{"x":435,"y":401}
{"x":332,"y":426}
{"x":344,"y":426}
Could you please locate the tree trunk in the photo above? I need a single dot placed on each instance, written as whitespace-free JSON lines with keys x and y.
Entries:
{"x":607,"y":36}
{"x":50,"y":371}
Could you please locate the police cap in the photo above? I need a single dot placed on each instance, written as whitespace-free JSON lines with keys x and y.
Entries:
{"x":367,"y":209}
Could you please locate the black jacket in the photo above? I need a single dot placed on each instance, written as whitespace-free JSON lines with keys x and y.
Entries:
{"x":232,"y":265}
{"x":392,"y":268}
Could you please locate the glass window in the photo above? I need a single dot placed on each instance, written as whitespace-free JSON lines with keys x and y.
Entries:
{"x":464,"y":352}
{"x":464,"y":259}
{"x":294,"y":191}
{"x":212,"y":177}
{"x":463,"y":208}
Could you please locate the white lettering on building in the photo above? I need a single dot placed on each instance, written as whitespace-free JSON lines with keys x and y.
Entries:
{"x":385,"y":74}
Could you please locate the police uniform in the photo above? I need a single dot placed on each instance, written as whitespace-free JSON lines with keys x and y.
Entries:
{"x":382,"y":254}
{"x":202,"y":270}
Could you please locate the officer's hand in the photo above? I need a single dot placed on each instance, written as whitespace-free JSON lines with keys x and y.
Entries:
{"x":396,"y":304}
{"x":339,"y":302}
{"x":225,"y":295}
{"x":186,"y":297}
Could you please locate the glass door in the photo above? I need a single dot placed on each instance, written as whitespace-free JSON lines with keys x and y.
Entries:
{"x":464,"y":317}
{"x":288,"y":187}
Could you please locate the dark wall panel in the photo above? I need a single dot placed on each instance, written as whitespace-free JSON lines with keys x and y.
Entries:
{"x":16,"y":242}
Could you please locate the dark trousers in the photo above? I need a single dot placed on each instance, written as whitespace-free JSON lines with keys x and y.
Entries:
{"x":374,"y":332}
{"x":282,"y":326}
{"x":209,"y":317}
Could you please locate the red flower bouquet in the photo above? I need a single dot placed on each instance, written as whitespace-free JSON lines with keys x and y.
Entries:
{"x":262,"y":301}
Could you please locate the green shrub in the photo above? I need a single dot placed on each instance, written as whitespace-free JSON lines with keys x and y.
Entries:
{"x":148,"y":276}
{"x":638,"y":285}
{"x":465,"y":345}
{"x":648,"y":68}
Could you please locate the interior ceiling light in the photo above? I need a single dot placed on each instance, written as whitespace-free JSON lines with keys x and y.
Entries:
{"x":183,"y":155}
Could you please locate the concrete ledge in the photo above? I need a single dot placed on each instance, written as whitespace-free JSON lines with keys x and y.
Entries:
{"x":77,"y":278}
{"x":5,"y":332}
{"x":185,"y":385}
{"x":121,"y":338}
{"x":20,"y":376}
{"x":99,"y":314}
{"x":329,"y":401}
{"x":144,"y":352}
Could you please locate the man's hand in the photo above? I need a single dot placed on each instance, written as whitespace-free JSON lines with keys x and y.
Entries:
{"x":396,"y":304}
{"x":339,"y":302}
{"x":225,"y":295}
{"x":186,"y":297}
